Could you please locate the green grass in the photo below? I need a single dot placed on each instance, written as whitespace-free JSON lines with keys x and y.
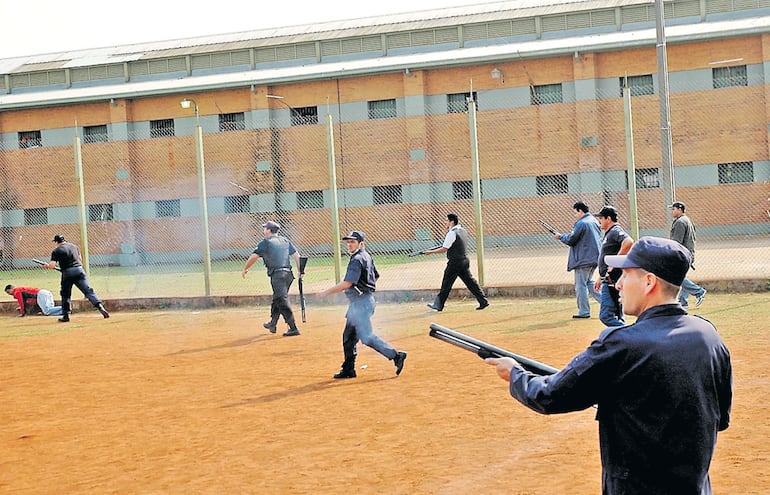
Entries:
{"x":183,"y":279}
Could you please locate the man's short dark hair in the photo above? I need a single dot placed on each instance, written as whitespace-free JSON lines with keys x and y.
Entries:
{"x":8,"y":287}
{"x":452,"y":217}
{"x":580,"y":206}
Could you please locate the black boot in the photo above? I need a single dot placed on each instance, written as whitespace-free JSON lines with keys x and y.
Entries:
{"x":103,"y":310}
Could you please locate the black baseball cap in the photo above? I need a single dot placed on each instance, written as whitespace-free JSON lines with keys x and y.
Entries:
{"x":677,"y":204}
{"x":608,"y":212}
{"x":58,"y":238}
{"x":665,"y":258}
{"x":271,"y":225}
{"x":355,"y":235}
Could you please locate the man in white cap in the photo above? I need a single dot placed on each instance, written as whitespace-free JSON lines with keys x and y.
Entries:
{"x":662,"y":386}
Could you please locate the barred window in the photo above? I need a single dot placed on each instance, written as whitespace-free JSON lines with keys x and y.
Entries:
{"x":735,"y":172}
{"x":30,"y":139}
{"x":639,"y":85}
{"x":725,"y":77}
{"x":231,"y":122}
{"x":462,"y":190}
{"x":237,"y":204}
{"x":310,"y":200}
{"x":458,"y":102}
{"x":647,"y":178}
{"x":384,"y":195}
{"x":100,"y":212}
{"x":304,"y":116}
{"x":382,"y":109}
{"x":35,"y":216}
{"x":168,"y":208}
{"x":162,"y":128}
{"x":546,"y":94}
{"x":95,"y":134}
{"x":551,"y":184}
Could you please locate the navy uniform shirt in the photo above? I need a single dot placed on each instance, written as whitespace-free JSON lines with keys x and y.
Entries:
{"x":67,"y":255}
{"x":361,"y":273}
{"x":275,"y":251}
{"x":611,"y":243}
{"x":663,"y":387}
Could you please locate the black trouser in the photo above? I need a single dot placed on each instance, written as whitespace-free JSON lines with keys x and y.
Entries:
{"x":75,"y":276}
{"x":458,"y":268}
{"x":280,"y":281}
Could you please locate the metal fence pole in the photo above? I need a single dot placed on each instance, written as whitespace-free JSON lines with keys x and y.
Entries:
{"x":334,"y":206}
{"x":476,"y":187}
{"x":633,"y":211}
{"x":83,"y":219}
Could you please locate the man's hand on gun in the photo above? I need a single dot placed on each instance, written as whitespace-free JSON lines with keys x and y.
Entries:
{"x":504,"y":366}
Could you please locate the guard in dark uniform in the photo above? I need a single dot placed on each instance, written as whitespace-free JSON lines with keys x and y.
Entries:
{"x":67,"y":255}
{"x":458,"y":264}
{"x":359,"y":285}
{"x":276,"y":252}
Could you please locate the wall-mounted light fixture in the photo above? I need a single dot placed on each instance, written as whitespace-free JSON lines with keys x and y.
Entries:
{"x":498,"y":74}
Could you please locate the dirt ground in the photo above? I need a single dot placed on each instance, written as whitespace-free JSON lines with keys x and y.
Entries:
{"x":208,"y":402}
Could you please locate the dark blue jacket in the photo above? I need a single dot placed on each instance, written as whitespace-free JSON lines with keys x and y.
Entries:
{"x":663,"y":387}
{"x":584,"y":241}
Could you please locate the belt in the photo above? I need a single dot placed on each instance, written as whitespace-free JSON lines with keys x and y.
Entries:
{"x":282,"y":270}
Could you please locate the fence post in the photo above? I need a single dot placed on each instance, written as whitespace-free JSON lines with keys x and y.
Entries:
{"x":476,"y":187}
{"x":81,"y":203}
{"x":633,"y":211}
{"x":334,"y":207}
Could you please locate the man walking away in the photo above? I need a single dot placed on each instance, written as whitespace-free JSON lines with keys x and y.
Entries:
{"x":683,"y":232}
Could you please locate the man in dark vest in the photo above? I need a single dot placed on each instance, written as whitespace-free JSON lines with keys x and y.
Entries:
{"x":458,"y":265}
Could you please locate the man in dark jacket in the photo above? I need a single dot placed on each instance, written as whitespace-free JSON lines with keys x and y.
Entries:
{"x":662,"y":386}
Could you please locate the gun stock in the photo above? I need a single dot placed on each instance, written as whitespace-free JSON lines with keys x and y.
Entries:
{"x":39,"y":262}
{"x":484,"y":350}
{"x":548,"y":227}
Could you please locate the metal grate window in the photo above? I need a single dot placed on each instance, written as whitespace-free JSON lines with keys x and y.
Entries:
{"x":95,"y":134}
{"x":162,"y":128}
{"x":168,"y":208}
{"x":725,"y":77}
{"x":236,"y":204}
{"x":385,"y":195}
{"x":646,"y":178}
{"x":102,"y":212}
{"x":551,"y":184}
{"x":310,"y":200}
{"x":458,"y":102}
{"x":382,"y":109}
{"x":30,"y":139}
{"x":462,"y":190}
{"x":304,"y":116}
{"x":638,"y":85}
{"x":35,"y":216}
{"x":232,"y":122}
{"x":546,"y":94}
{"x":736,"y":172}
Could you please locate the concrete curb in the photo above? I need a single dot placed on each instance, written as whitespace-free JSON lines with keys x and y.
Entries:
{"x":386,"y":296}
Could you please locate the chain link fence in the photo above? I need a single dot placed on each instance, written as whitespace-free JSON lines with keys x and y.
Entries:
{"x":401,"y":165}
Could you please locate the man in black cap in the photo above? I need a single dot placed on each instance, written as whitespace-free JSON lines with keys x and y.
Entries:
{"x":663,"y":386}
{"x":67,"y":255}
{"x":359,"y":285}
{"x":615,"y":241}
{"x":276,"y":252}
{"x":458,"y":265}
{"x":683,"y":232}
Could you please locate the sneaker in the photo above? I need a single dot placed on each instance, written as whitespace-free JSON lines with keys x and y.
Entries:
{"x":64,"y":319}
{"x":291,"y":332}
{"x":270,"y":326}
{"x":342,"y":374}
{"x":431,"y":306}
{"x":399,"y":361}
{"x":581,"y":316}
{"x":699,"y":299}
{"x":103,"y":311}
{"x":483,"y":305}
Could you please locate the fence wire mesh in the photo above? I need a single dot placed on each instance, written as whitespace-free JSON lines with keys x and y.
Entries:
{"x":400,"y":168}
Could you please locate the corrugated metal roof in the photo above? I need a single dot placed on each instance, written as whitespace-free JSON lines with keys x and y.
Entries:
{"x":488,"y":54}
{"x":416,"y":20}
